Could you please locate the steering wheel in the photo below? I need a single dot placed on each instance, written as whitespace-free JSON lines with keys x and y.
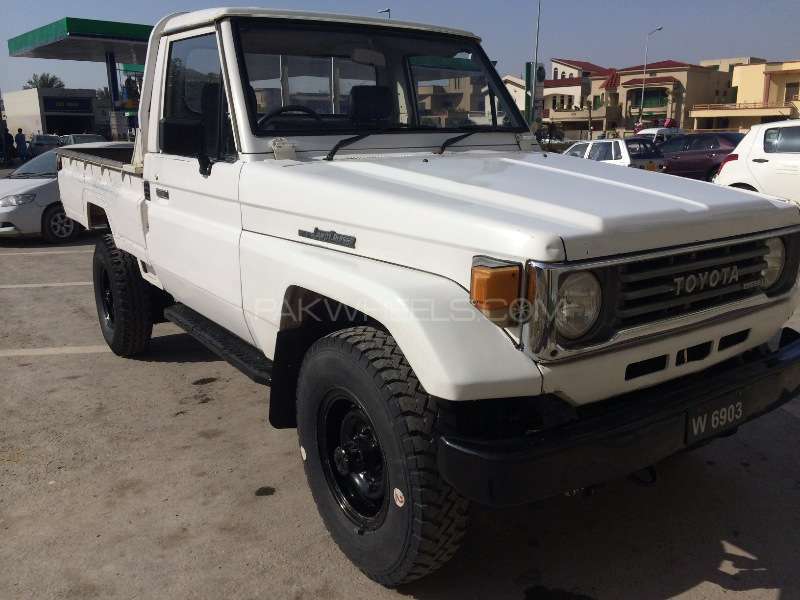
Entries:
{"x":289,"y":108}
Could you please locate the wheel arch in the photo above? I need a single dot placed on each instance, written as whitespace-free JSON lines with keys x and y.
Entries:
{"x":308,"y":316}
{"x":96,"y":217}
{"x":743,"y":186}
{"x":456,"y":353}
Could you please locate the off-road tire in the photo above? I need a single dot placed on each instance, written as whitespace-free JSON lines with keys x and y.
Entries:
{"x":117,"y":278}
{"x":425,"y":529}
{"x":57,"y":228}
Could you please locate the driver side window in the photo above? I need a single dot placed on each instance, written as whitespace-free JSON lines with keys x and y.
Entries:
{"x":194,"y":94}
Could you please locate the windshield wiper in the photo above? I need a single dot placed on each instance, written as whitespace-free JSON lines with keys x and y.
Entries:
{"x":455,"y":139}
{"x":345,"y":142}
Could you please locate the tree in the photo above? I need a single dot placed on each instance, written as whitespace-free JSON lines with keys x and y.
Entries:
{"x":43,"y":80}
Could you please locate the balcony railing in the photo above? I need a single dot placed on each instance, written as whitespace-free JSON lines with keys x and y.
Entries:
{"x":742,"y":106}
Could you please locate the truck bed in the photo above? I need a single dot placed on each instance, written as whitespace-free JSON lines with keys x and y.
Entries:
{"x":114,"y":157}
{"x":99,"y":187}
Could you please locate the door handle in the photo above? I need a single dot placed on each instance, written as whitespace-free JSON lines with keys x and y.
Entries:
{"x":162,"y":193}
{"x":760,"y":160}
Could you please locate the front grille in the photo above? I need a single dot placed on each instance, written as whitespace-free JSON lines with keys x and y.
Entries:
{"x":671,"y":286}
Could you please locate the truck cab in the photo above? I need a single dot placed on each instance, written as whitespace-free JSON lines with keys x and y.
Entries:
{"x":353,"y":212}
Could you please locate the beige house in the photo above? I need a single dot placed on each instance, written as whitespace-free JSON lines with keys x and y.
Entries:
{"x":565,"y":96}
{"x":670,"y":88}
{"x":761,"y":92}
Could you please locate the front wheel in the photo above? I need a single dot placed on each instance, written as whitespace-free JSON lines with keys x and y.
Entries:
{"x":122,"y":298}
{"x":366,"y":430}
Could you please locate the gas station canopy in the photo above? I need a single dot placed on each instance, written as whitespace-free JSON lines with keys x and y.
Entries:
{"x":83,"y":39}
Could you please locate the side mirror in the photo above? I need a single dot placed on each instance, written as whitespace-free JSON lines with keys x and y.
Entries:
{"x":185,"y":137}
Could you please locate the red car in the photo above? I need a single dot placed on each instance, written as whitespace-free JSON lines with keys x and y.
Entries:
{"x":698,"y":155}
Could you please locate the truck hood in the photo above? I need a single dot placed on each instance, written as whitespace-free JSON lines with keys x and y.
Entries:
{"x":417,"y":208}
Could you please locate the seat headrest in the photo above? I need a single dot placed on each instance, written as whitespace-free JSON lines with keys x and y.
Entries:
{"x":370,"y":103}
{"x":209,"y":98}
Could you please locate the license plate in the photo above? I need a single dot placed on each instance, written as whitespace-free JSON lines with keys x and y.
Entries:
{"x":651,"y":166}
{"x":714,"y":418}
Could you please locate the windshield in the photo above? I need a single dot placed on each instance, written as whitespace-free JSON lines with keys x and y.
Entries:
{"x":85,"y":138}
{"x":320,"y":79}
{"x":46,"y":139}
{"x":43,"y":165}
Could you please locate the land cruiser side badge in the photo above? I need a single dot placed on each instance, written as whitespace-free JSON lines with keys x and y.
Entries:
{"x":329,"y":237}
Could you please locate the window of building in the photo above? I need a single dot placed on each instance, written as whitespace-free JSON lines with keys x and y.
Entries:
{"x":792,"y":91}
{"x":194,"y":92}
{"x":555,"y":73}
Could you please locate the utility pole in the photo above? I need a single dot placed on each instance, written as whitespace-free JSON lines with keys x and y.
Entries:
{"x":589,"y":108}
{"x":535,"y":69}
{"x":644,"y":71}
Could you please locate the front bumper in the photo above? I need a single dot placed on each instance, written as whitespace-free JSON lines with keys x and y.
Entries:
{"x":618,"y":436}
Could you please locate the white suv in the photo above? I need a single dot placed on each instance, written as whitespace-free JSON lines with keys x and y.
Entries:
{"x":767,"y":160}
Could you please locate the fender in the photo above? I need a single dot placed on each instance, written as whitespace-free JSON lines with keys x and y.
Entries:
{"x":455,"y":351}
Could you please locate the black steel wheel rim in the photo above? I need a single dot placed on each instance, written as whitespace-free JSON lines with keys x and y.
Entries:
{"x":106,"y":298}
{"x":352,"y":459}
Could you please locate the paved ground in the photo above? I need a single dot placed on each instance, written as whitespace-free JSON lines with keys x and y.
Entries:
{"x":158,"y":478}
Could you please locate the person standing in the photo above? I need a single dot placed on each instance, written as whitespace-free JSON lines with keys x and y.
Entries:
{"x":22,"y":145}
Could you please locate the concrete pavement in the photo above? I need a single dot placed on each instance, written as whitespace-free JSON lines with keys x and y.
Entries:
{"x":159,"y":478}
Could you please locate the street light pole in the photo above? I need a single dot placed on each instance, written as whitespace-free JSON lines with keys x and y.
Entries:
{"x":535,"y":68}
{"x":644,"y":71}
{"x":387,"y":12}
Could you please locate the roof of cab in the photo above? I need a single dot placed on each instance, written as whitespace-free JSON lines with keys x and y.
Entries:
{"x":207,"y":16}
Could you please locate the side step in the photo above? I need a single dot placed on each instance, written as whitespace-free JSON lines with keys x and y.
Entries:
{"x":248,"y":359}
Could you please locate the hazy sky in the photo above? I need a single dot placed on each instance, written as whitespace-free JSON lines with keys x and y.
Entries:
{"x":606,"y":32}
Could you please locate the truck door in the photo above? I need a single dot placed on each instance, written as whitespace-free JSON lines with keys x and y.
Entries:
{"x":194,"y":221}
{"x":775,"y":162}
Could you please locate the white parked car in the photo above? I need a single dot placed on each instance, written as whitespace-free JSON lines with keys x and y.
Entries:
{"x":636,"y":152}
{"x":767,"y":160}
{"x":30,"y":203}
{"x":445,"y":313}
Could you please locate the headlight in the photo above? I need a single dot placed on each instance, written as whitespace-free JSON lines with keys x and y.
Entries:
{"x":578,"y":306}
{"x":16,"y":200}
{"x":776,"y":259}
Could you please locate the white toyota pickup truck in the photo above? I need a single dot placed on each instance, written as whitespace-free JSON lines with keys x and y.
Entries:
{"x":354,"y":213}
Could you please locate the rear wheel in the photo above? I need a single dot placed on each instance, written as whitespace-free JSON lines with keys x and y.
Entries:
{"x":122,"y":297}
{"x":57,"y":227}
{"x":366,"y":430}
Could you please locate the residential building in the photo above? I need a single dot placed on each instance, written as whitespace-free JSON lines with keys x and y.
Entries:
{"x":583,"y":96}
{"x":727,"y":64}
{"x":670,"y":88}
{"x":761,"y":92}
{"x":565,"y":95}
{"x":51,"y":110}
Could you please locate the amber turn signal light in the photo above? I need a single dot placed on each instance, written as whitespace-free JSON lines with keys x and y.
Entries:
{"x":495,"y":291}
